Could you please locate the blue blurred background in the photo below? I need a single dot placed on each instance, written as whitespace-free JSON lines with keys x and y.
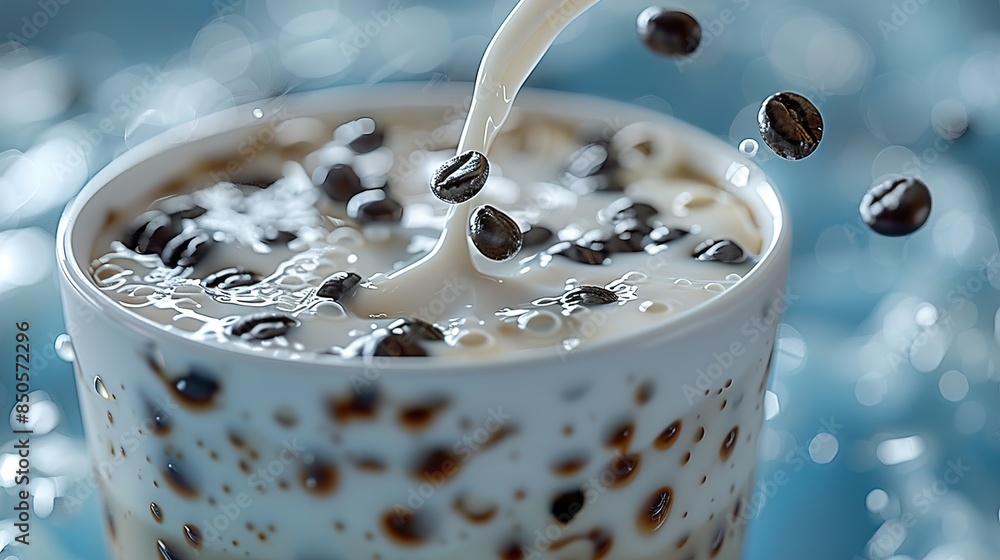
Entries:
{"x":886,"y":384}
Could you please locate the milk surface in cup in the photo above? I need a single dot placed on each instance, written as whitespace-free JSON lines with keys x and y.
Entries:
{"x":251,"y":413}
{"x":276,"y":246}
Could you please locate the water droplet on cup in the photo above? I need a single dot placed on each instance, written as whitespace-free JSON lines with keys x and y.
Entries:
{"x":101,"y":389}
{"x":258,"y":114}
{"x":749,"y":147}
{"x":64,"y":348}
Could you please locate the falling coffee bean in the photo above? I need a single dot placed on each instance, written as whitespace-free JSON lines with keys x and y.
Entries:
{"x":341,"y":183}
{"x":897,"y":207}
{"x":373,"y":206}
{"x":669,"y":32}
{"x":495,"y":234}
{"x":262,"y":326}
{"x":362,"y":136}
{"x":234,"y":277}
{"x":461,"y":177}
{"x":150,"y":232}
{"x":662,"y":235}
{"x":790,"y":125}
{"x":536,"y":235}
{"x":593,"y":255}
{"x":339,"y":285}
{"x":589,"y":295}
{"x":415,"y":327}
{"x":187,"y":249}
{"x":724,"y":251}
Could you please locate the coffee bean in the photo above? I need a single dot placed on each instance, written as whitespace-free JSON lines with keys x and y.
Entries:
{"x":374,"y":206}
{"x":150,"y":232}
{"x":341,"y":183}
{"x":897,"y":207}
{"x":233,"y":277}
{"x":183,"y":206}
{"x":461,"y":177}
{"x":630,"y":236}
{"x":627,"y":209}
{"x":362,"y":136}
{"x":187,"y":249}
{"x":339,"y":285}
{"x":662,"y":235}
{"x":723,"y":250}
{"x":416,"y":328}
{"x":669,"y":32}
{"x":589,"y":295}
{"x":262,"y":326}
{"x":495,"y":234}
{"x":565,"y":506}
{"x":536,"y":235}
{"x":592,"y":255}
{"x":790,"y":125}
{"x":398,"y":345}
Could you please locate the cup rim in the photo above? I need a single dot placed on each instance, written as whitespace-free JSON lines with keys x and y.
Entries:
{"x":550,"y":102}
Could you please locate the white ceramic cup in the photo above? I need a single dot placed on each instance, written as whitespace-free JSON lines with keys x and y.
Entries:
{"x":629,"y":449}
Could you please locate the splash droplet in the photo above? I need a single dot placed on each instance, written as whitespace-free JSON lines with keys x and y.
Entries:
{"x":101,"y":389}
{"x":258,"y":114}
{"x":64,"y":348}
{"x":749,"y":147}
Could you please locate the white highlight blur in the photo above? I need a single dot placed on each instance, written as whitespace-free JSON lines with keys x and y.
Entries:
{"x":900,"y":450}
{"x":26,"y":257}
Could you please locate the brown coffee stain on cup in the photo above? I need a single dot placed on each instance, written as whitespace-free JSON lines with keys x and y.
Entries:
{"x":729,"y":444}
{"x":620,"y":437}
{"x":437,"y":466}
{"x":195,"y":390}
{"x":173,"y":474}
{"x":361,"y":405}
{"x":644,"y":392}
{"x":600,"y":539}
{"x":656,"y":510}
{"x":477,"y":514}
{"x":193,"y":535}
{"x":166,"y":552}
{"x":318,"y":477}
{"x":623,"y":468}
{"x":418,"y":417}
{"x":668,"y":436}
{"x":154,"y":509}
{"x":570,"y":465}
{"x":407,"y":528}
